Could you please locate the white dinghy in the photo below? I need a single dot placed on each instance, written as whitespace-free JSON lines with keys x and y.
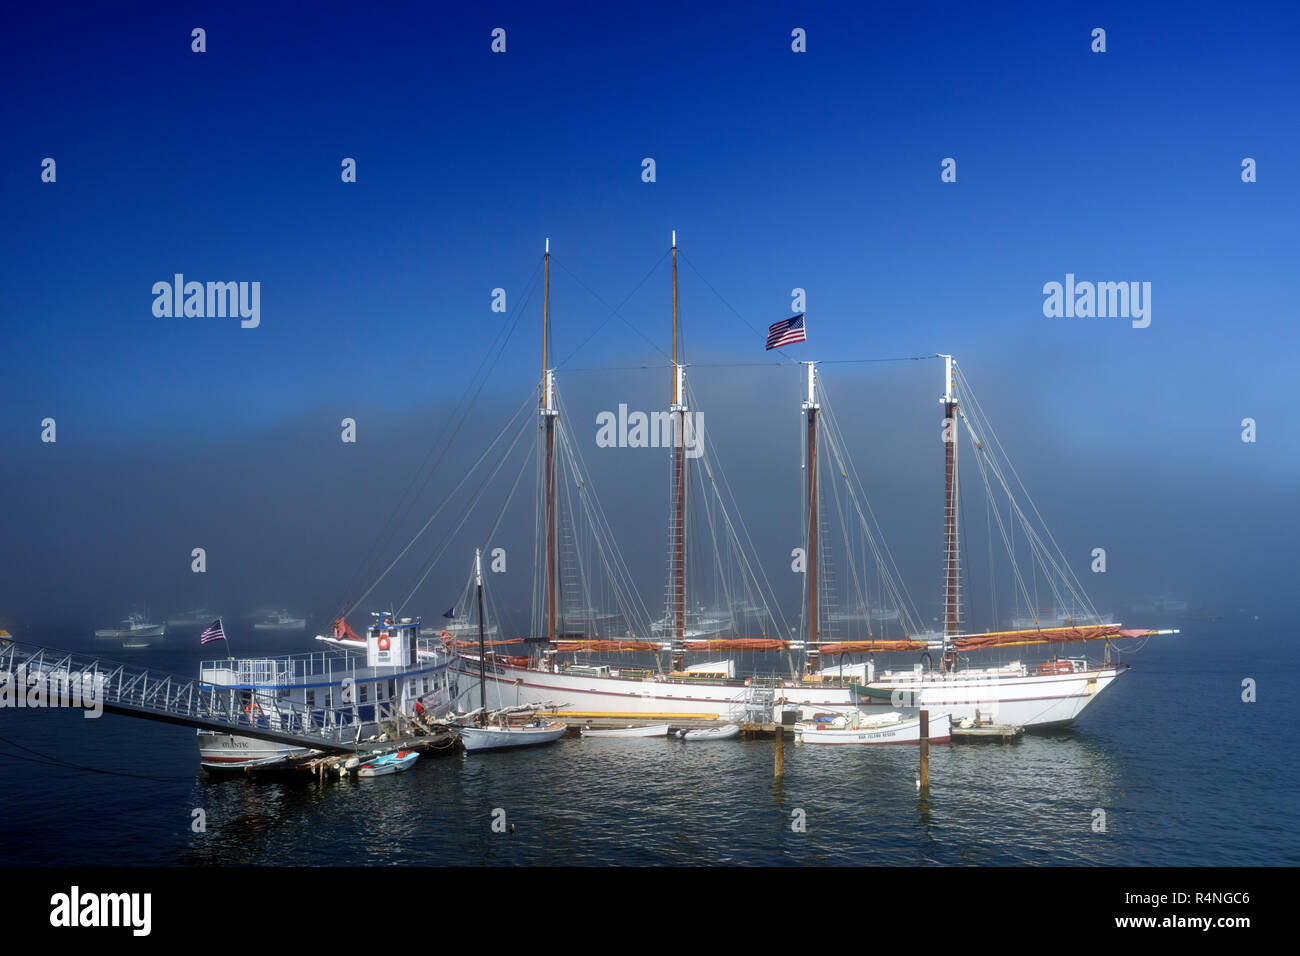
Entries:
{"x":651,"y":730}
{"x":725,"y":732}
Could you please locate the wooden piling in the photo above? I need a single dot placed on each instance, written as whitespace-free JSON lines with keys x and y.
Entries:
{"x":925,"y":750}
{"x":780,"y":752}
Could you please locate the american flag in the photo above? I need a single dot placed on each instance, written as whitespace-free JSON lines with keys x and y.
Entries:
{"x":213,"y":633}
{"x":786,"y":332}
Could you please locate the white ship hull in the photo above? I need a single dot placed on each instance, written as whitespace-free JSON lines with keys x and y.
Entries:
{"x":1029,"y":701}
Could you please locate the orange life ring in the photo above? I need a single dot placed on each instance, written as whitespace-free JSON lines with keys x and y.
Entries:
{"x":384,"y":643}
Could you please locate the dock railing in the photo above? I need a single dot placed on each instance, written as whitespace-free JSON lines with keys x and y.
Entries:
{"x":90,"y":681}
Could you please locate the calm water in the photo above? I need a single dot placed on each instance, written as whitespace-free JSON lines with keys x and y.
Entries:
{"x":1186,"y":773}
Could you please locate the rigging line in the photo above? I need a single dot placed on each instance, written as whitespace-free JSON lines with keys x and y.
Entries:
{"x":68,"y":765}
{"x":773,"y":607}
{"x":482,"y":489}
{"x":615,"y":368}
{"x":602,"y":530}
{"x":394,"y":520}
{"x":1071,"y":580}
{"x":1038,"y":551}
{"x":472,"y":468}
{"x":613,"y":310}
{"x":988,"y":489}
{"x":786,"y":365}
{"x":761,"y":335}
{"x":894,"y":580}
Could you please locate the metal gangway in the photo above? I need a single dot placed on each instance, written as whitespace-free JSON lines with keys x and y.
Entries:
{"x":754,"y":706}
{"x":191,"y":702}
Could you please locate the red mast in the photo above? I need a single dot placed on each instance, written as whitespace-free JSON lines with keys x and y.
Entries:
{"x":951,"y":590}
{"x":810,"y":406}
{"x":679,"y":487}
{"x":549,"y":413}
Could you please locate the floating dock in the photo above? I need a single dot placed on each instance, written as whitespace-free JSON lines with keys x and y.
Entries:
{"x":1000,"y":733}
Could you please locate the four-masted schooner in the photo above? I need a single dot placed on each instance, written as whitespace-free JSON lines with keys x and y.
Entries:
{"x":1052,"y":693}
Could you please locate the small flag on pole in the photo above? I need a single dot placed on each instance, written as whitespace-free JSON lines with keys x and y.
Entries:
{"x":786,"y":332}
{"x":450,"y":613}
{"x":213,"y":633}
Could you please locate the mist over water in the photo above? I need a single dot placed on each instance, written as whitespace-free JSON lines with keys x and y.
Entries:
{"x":99,"y":524}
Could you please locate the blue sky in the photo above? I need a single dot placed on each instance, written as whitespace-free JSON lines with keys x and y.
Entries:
{"x":818,"y":170}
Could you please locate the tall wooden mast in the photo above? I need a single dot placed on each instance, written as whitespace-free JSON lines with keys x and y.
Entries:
{"x":679,"y":482}
{"x":549,"y":414}
{"x":482,"y":643}
{"x":810,"y":406}
{"x":952,"y":570}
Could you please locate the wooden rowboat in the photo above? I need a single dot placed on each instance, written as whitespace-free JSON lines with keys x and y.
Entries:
{"x":652,"y":730}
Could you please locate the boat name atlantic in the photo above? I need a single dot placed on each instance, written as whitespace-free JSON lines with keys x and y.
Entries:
{"x":213,"y":300}
{"x":1085,"y":300}
{"x":653,"y":430}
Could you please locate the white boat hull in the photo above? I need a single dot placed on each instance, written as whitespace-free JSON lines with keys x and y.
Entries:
{"x":906,"y":731}
{"x":386,"y":765}
{"x":726,"y":732}
{"x":1031,"y":700}
{"x":140,"y":634}
{"x":652,"y":730}
{"x":218,"y":752}
{"x":501,"y":738}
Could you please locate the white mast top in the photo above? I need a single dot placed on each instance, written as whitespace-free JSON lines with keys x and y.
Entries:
{"x":674,"y":238}
{"x":548,"y":244}
{"x":812,"y":388}
{"x":478,"y":568}
{"x":947,"y":379}
{"x":548,"y":396}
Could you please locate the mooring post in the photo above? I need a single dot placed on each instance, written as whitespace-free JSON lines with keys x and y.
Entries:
{"x":780,"y":751}
{"x":925,"y":750}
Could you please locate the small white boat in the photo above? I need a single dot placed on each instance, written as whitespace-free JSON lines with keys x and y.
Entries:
{"x":506,"y":735}
{"x":134,"y":632}
{"x":281,"y":621}
{"x":859,"y":728}
{"x":388,"y":763}
{"x":725,"y":732}
{"x":652,"y":730}
{"x":199,"y":617}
